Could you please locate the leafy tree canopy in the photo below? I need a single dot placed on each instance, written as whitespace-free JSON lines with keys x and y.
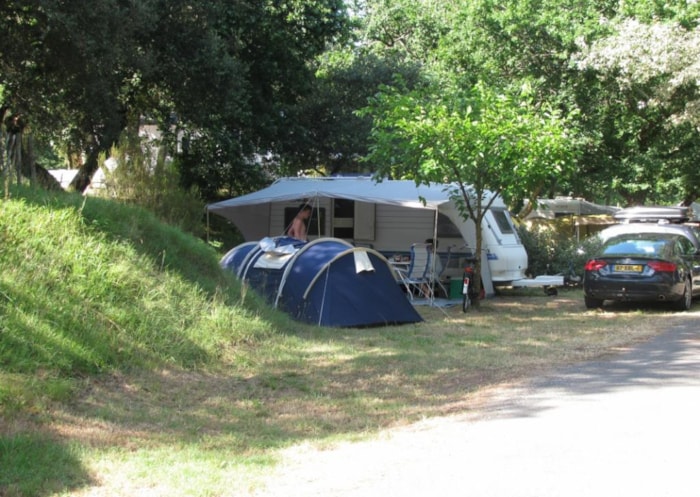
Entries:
{"x":653,"y":72}
{"x":482,"y":142}
{"x":82,"y":74}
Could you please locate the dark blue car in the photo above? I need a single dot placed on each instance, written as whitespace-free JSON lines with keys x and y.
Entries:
{"x":643,"y":267}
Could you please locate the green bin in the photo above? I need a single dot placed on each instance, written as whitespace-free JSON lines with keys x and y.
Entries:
{"x":455,"y":288}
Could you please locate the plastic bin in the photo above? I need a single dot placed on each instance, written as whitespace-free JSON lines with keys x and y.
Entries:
{"x":455,"y":288}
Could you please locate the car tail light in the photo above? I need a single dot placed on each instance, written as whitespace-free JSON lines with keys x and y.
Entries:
{"x":595,"y":265}
{"x":662,"y":266}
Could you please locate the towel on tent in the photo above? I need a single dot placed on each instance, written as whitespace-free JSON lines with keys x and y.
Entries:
{"x":362,"y":262}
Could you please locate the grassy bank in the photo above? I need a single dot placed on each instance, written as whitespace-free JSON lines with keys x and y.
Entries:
{"x":129,"y":364}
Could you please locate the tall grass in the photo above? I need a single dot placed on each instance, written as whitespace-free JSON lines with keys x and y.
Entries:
{"x":88,"y":285}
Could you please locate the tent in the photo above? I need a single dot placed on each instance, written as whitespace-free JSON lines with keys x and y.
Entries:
{"x":552,"y":208}
{"x":327,"y":281}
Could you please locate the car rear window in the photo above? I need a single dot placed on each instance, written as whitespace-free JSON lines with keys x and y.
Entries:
{"x":639,"y":247}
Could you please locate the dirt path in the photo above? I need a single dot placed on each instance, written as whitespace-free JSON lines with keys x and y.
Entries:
{"x":618,"y":427}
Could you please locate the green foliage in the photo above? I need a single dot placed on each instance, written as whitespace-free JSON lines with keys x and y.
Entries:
{"x":407,"y":30}
{"x":551,"y":252}
{"x":324,"y":133}
{"x":492,"y":140}
{"x":653,"y":116}
{"x":216,"y":163}
{"x":90,"y":285}
{"x":138,"y":172}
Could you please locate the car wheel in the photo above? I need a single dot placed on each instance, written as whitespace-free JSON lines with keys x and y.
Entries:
{"x":592,"y":303}
{"x":687,"y":300}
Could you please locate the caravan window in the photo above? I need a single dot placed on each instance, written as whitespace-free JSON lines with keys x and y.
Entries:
{"x":343,"y":218}
{"x":502,"y":221}
{"x":353,"y":220}
{"x":318,"y":217}
{"x":446,"y":228}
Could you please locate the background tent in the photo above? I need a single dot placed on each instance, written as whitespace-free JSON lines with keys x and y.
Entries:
{"x":327,"y":282}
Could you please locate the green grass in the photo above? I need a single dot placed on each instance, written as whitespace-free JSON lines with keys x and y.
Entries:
{"x":88,"y":285}
{"x":130,"y":364}
{"x":35,"y":465}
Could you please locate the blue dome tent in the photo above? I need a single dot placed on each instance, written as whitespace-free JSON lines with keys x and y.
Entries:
{"x":327,"y":282}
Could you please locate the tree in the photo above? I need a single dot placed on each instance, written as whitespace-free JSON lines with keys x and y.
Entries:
{"x":654,"y":70}
{"x":481,"y":142}
{"x":324,"y":133}
{"x":407,"y":30}
{"x":82,"y":75}
{"x":65,"y":69}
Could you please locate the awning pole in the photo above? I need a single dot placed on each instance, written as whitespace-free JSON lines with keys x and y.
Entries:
{"x":432,"y":269}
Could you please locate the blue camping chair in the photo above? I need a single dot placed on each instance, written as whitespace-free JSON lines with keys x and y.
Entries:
{"x":435,"y":272}
{"x":439,"y":271}
{"x":416,"y":277}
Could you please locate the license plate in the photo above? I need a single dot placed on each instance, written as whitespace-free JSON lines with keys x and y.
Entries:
{"x":628,"y":268}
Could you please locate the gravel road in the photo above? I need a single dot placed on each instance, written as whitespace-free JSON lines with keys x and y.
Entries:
{"x":623,"y":426}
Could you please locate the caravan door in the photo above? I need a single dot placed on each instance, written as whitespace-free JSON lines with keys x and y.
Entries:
{"x":505,"y":252}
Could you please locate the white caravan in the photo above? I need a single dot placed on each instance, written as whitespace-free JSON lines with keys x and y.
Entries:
{"x":388,"y":216}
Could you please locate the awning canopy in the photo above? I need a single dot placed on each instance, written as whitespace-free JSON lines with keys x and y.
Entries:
{"x":552,"y":208}
{"x":403,"y":193}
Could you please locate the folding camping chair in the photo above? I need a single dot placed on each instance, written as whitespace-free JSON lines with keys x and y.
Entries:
{"x":435,"y":273}
{"x":415,"y":277}
{"x":438,"y":271}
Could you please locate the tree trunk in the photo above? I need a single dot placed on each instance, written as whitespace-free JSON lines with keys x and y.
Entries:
{"x":42,"y":176}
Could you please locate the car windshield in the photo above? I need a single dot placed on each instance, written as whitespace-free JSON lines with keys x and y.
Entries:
{"x":642,"y":247}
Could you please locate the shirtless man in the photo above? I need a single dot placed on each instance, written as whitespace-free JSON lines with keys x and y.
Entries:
{"x":298,"y":227}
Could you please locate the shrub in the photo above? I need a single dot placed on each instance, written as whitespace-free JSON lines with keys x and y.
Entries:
{"x":142,"y":175}
{"x":550,"y":252}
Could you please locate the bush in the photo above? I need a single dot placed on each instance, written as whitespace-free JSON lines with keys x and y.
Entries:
{"x":142,"y":175}
{"x":550,"y":252}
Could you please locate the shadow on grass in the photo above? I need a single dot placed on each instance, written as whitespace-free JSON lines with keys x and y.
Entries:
{"x":36,"y":466}
{"x":340,"y":382}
